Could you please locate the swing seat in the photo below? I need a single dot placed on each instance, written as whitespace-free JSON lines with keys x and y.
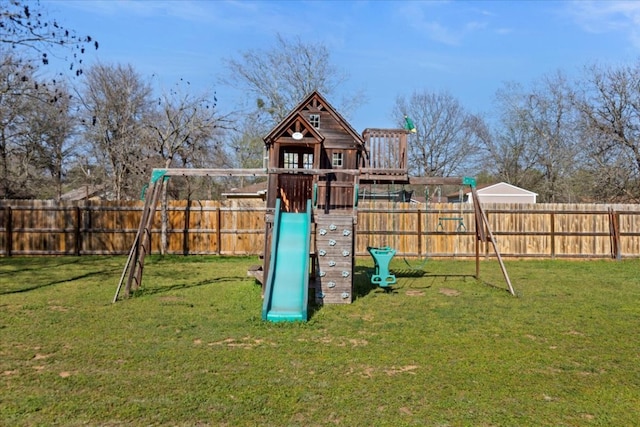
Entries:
{"x":460,"y":226}
{"x":382,"y":257}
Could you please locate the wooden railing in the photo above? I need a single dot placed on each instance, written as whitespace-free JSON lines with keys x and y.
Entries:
{"x":386,"y":152}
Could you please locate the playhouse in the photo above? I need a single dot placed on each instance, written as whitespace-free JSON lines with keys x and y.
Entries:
{"x":314,"y":154}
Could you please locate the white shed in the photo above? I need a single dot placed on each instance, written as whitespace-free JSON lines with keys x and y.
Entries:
{"x":503,"y":193}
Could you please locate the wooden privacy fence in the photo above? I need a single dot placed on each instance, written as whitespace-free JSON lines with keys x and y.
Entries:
{"x":237,"y":228}
{"x":521,"y":231}
{"x":100,"y":228}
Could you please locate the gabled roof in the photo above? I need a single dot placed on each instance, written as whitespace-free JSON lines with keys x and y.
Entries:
{"x":85,"y":193}
{"x":503,"y":188}
{"x":314,"y":98}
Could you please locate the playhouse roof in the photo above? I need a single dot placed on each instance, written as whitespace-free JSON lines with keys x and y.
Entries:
{"x":295,"y":115}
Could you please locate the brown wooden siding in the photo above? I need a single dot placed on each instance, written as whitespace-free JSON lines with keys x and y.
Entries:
{"x":335,"y":195}
{"x":295,"y":190}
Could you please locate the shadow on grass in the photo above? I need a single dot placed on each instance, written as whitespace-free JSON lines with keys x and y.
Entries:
{"x":313,"y":308}
{"x":362,"y":285}
{"x":164,"y":289}
{"x":40,"y":263}
{"x":57,"y":282}
{"x":502,"y":287}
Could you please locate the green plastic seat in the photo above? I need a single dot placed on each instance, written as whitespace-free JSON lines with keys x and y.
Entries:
{"x":382,"y":257}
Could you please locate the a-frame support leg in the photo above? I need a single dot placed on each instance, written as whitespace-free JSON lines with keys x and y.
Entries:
{"x":141,"y":245}
{"x":482,"y":225}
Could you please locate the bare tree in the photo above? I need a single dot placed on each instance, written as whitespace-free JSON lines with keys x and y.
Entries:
{"x":246,"y":146}
{"x":554,"y":120}
{"x":183,"y":126}
{"x":14,"y":107}
{"x":277,"y":79}
{"x":446,"y":138}
{"x":609,"y":104}
{"x":34,"y":114}
{"x":512,"y":151}
{"x":181,"y":132}
{"x":116,"y":105}
{"x":535,"y":144}
{"x":25,"y":28}
{"x":51,"y":125}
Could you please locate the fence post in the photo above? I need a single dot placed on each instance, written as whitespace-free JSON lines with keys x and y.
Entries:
{"x":619,"y":251}
{"x":614,"y":234}
{"x":218,"y":230}
{"x":8,"y":229}
{"x":419,"y":213}
{"x":77,"y":233}
{"x":553,"y":236}
{"x":185,"y":230}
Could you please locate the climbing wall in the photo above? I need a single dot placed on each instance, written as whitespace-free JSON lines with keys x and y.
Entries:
{"x":334,"y":244}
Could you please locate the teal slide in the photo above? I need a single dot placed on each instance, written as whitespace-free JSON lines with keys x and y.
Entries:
{"x":287,"y":289}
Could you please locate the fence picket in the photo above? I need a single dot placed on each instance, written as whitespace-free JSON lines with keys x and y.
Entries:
{"x":37,"y":227}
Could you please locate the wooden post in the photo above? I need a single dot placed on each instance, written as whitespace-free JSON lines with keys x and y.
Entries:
{"x":78,"y":234}
{"x":420,"y":233}
{"x":614,"y":234}
{"x":8,"y":229}
{"x":553,"y":236}
{"x":218,"y":230}
{"x":164,"y":219}
{"x":617,"y":231}
{"x":477,"y":257}
{"x":185,"y":230}
{"x":485,"y":238}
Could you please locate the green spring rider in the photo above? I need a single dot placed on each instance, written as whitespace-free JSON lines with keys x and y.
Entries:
{"x":382,"y":257}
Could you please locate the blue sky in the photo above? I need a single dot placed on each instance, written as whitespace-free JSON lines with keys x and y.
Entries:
{"x":468,"y":48}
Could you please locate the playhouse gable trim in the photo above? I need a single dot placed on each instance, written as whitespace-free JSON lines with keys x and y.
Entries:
{"x":312,"y":104}
{"x":295,"y":123}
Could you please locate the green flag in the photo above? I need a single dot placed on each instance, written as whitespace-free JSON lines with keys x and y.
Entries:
{"x":408,"y":124}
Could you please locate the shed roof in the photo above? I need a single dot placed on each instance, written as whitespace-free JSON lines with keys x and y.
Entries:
{"x":85,"y":192}
{"x":503,"y":188}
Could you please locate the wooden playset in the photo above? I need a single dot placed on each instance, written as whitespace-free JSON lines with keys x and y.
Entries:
{"x":316,"y":164}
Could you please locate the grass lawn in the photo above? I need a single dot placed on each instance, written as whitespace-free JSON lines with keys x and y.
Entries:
{"x":443,"y":350}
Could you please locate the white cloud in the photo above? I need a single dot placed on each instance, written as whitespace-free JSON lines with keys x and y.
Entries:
{"x":445,"y":22}
{"x":608,"y":16}
{"x":504,"y":31}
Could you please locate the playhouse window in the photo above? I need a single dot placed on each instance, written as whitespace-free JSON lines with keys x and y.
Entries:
{"x":336,"y":160}
{"x":291,"y":160}
{"x":307,"y":160}
{"x":297,"y":158}
{"x":314,"y":119}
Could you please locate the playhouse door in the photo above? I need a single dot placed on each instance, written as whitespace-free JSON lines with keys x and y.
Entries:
{"x":295,"y":190}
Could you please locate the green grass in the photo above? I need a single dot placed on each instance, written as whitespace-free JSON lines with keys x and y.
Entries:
{"x":443,"y":350}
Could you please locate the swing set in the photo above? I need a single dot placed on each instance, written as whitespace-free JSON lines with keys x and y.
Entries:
{"x":383,"y":277}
